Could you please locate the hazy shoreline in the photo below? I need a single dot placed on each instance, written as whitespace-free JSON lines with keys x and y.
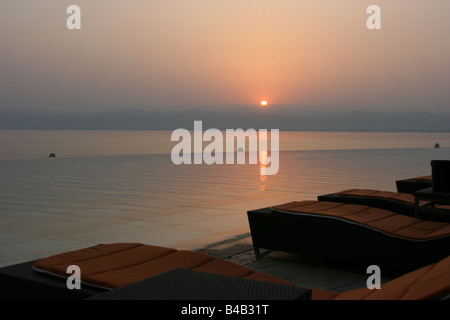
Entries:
{"x":352,"y":121}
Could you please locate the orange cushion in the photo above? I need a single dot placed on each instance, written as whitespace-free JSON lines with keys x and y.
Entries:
{"x":139,"y":271}
{"x":113,"y":261}
{"x":377,"y":219}
{"x":65,"y":259}
{"x":402,"y":197}
{"x":116,"y":265}
{"x":435,"y":284}
{"x":426,"y":178}
{"x":430,"y":282}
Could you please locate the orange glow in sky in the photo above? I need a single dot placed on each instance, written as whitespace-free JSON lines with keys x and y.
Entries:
{"x":209,"y":54}
{"x":264,"y":103}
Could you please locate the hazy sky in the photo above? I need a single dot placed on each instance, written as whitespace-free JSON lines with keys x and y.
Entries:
{"x":150,"y":54}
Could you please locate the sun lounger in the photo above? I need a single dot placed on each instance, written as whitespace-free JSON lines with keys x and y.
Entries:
{"x":107,"y":267}
{"x":350,"y":232}
{"x":402,"y":203}
{"x":414,"y":184}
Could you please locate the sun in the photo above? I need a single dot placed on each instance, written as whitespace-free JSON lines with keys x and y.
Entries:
{"x":264,"y":103}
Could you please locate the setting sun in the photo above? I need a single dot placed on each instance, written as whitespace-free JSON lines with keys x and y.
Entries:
{"x":264,"y":103}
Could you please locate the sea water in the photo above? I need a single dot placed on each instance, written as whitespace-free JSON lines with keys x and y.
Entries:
{"x":121,"y":186}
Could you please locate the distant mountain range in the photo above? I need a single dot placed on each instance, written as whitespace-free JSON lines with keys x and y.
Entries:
{"x":170,"y":120}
